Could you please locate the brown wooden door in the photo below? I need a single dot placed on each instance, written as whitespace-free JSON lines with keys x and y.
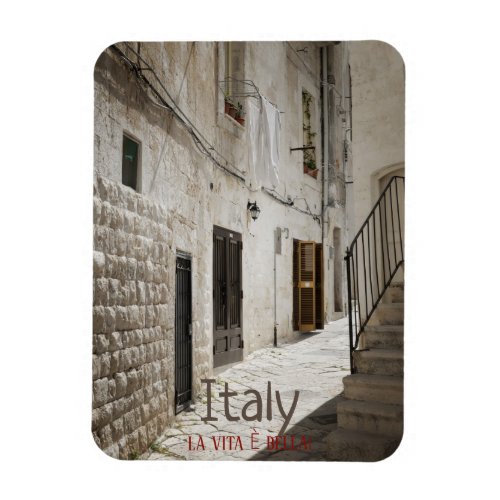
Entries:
{"x":227,"y":297}
{"x":307,"y":290}
{"x":307,"y":286}
{"x":319,"y":313}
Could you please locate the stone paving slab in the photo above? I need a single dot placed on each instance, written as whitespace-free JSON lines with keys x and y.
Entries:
{"x":314,"y":366}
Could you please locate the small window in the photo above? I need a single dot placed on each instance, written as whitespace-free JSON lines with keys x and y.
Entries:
{"x":309,"y":134}
{"x":234,"y":85}
{"x":130,"y":162}
{"x":233,"y":66}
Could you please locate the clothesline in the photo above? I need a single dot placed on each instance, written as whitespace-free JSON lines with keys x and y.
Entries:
{"x":270,"y":102}
{"x":232,"y":87}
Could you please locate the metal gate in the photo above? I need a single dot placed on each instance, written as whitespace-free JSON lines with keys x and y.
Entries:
{"x":227,"y":296}
{"x":183,"y":333}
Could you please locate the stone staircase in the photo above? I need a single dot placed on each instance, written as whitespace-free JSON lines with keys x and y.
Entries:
{"x":370,"y":418}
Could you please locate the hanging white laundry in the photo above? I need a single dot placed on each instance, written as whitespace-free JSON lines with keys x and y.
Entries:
{"x":253,"y":126}
{"x":263,"y":136}
{"x":272,"y":128}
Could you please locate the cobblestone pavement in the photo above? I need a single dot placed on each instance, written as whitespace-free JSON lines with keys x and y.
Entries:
{"x":315,"y":366}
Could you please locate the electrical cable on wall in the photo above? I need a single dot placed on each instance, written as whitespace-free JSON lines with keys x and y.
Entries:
{"x":201,"y":143}
{"x":290,"y":203}
{"x":174,"y":103}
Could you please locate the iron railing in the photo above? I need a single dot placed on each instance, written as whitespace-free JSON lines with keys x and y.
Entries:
{"x":373,"y":258}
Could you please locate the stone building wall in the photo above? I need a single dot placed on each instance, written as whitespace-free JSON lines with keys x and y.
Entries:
{"x":186,"y":195}
{"x":132,"y":325}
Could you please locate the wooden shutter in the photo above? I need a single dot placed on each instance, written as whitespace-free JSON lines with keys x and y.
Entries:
{"x":307,"y":299}
{"x":318,"y":286}
{"x":295,"y":313}
{"x":307,"y":286}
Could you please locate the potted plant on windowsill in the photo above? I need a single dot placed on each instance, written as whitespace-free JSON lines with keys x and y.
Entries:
{"x":229,"y":108}
{"x":310,"y":167}
{"x":239,"y":114}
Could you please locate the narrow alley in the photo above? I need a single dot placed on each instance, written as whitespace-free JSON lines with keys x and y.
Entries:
{"x":314,"y":366}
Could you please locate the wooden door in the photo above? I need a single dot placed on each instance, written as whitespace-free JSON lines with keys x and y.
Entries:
{"x":319,"y":313}
{"x":227,"y":297}
{"x":308,"y":298}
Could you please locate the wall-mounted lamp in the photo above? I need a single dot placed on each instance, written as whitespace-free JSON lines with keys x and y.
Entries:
{"x":253,"y":209}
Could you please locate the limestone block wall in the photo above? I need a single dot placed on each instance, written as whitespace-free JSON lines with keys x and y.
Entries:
{"x":132,"y":320}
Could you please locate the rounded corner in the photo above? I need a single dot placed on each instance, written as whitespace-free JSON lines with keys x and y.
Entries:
{"x":393,"y":49}
{"x":107,"y":452}
{"x":392,"y":451}
{"x":103,"y":52}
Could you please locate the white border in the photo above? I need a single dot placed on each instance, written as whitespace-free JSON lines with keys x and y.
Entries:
{"x":452,"y":273}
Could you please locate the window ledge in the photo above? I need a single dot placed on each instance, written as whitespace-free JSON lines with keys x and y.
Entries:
{"x":311,"y":172}
{"x":230,"y":125}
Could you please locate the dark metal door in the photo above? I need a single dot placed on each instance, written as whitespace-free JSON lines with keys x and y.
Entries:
{"x":183,"y":333}
{"x":227,"y":296}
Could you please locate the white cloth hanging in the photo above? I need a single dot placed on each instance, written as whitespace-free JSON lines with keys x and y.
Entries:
{"x":253,"y":142}
{"x":263,"y":129}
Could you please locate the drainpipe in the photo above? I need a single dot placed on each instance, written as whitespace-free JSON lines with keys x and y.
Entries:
{"x":324,"y":89}
{"x":275,"y":343}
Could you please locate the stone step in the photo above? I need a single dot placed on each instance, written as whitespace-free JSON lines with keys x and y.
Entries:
{"x":350,"y":446}
{"x":381,"y":388}
{"x":371,"y":416}
{"x":388,"y":314}
{"x":383,"y":336}
{"x":379,"y":362}
{"x":395,"y":293}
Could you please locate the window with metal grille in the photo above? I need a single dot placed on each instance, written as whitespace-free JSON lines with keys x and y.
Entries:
{"x":309,"y":134}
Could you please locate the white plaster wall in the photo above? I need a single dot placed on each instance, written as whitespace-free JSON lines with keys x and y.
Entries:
{"x":378,"y":98}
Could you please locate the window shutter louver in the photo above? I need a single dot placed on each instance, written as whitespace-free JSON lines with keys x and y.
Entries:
{"x":307,"y":299}
{"x":308,"y":311}
{"x":295,"y":317}
{"x":318,"y":285}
